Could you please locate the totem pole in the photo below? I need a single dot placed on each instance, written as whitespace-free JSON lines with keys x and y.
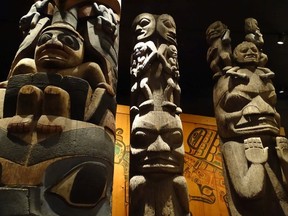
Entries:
{"x":254,"y":154}
{"x":157,"y":184}
{"x":58,"y":122}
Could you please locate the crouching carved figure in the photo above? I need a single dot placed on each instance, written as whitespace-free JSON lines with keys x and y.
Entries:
{"x":58,"y":126}
{"x":254,"y":154}
{"x":157,"y":184}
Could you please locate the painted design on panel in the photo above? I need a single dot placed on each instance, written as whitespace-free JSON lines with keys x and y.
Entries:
{"x":122,"y":158}
{"x":203,"y":166}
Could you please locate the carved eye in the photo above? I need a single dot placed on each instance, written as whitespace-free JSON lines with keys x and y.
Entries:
{"x":168,"y":24}
{"x":254,"y":49}
{"x":173,"y":138}
{"x":83,"y":186}
{"x":144,"y":22}
{"x":69,"y":41}
{"x":235,"y":102}
{"x":244,"y":50}
{"x":44,"y":38}
{"x":142,"y":138}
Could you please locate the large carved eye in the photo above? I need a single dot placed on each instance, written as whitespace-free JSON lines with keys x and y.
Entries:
{"x":244,"y":50}
{"x":167,"y":23}
{"x":173,"y":138}
{"x":144,"y":22}
{"x":44,"y":38}
{"x":83,"y":186}
{"x":142,"y":138}
{"x":254,"y":49}
{"x":235,"y":102}
{"x":69,"y":40}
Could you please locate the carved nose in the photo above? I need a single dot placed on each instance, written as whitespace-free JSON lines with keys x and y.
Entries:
{"x":54,"y":42}
{"x":159,"y":145}
{"x":257,"y":106}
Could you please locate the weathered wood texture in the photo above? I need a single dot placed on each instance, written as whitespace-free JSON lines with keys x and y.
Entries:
{"x":57,"y":123}
{"x":157,"y":184}
{"x":202,"y":165}
{"x":254,"y":153}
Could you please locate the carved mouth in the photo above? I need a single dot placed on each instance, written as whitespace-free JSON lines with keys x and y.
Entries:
{"x":250,"y":56}
{"x":257,"y":122}
{"x":160,"y":162}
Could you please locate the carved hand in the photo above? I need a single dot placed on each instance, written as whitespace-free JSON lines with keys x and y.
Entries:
{"x":254,"y":150}
{"x":282,"y":148}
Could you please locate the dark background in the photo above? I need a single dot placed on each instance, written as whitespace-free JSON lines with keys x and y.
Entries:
{"x":192,"y":18}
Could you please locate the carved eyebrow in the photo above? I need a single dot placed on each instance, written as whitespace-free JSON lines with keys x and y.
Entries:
{"x":146,"y":125}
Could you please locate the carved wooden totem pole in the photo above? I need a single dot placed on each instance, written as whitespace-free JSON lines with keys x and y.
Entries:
{"x":57,"y":129}
{"x":254,"y":154}
{"x":157,"y":184}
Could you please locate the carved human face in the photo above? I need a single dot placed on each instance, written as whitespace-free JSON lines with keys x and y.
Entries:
{"x":157,"y":143}
{"x":246,"y":53}
{"x":215,"y":30}
{"x":172,"y":51}
{"x":251,"y":25}
{"x":166,"y":27}
{"x":59,"y":48}
{"x":144,"y":26}
{"x":245,"y":106}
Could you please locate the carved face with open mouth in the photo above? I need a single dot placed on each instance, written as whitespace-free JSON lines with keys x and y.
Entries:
{"x":245,"y":106}
{"x":157,"y":143}
{"x":144,"y":26}
{"x":246,"y":53}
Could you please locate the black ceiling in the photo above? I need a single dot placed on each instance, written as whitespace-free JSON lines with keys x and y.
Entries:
{"x":192,"y":18}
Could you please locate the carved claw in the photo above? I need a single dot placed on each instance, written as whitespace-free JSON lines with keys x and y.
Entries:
{"x":233,"y":72}
{"x":267,"y":73}
{"x":254,"y":150}
{"x":30,"y":20}
{"x":282,"y":148}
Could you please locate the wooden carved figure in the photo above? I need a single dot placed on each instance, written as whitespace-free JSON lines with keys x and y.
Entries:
{"x":254,"y":154}
{"x":154,"y":62}
{"x":219,"y":54}
{"x":157,"y":184}
{"x":58,"y":126}
{"x":254,"y":35}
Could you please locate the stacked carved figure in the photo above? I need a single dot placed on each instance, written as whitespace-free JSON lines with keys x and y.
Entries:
{"x":254,"y":154}
{"x":58,"y":122}
{"x":157,"y":184}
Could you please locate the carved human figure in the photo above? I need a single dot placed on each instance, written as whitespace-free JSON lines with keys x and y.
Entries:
{"x":143,"y":54}
{"x":58,"y":121}
{"x":219,"y":54}
{"x":59,"y":50}
{"x":157,"y":159}
{"x":248,"y":125}
{"x":254,"y":35}
{"x":168,"y":56}
{"x":159,"y":71}
{"x":157,"y":151}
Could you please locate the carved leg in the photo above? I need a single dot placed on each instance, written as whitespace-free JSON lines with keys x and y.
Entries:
{"x":56,"y":103}
{"x":29,"y":102}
